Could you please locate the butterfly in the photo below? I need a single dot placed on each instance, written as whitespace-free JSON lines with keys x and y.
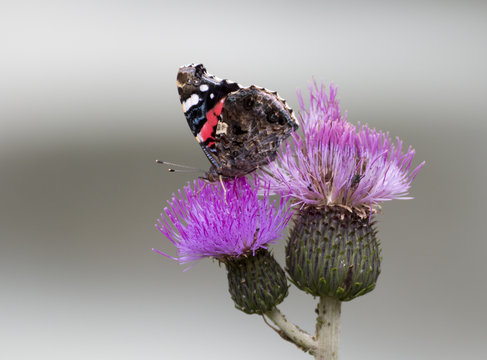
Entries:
{"x":238,"y":128}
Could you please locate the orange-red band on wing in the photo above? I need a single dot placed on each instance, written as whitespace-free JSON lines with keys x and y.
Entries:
{"x":208,"y":129}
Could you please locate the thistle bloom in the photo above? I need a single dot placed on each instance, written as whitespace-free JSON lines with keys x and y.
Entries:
{"x":204,"y":220}
{"x":234,"y":226}
{"x":338,"y":164}
{"x":339,"y":174}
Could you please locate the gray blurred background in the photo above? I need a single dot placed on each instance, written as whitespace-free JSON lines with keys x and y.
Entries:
{"x":88,"y":101}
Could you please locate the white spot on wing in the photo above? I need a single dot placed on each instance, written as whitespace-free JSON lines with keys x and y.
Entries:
{"x":221,"y":128}
{"x":212,"y":96}
{"x":204,"y":88}
{"x":191,"y":101}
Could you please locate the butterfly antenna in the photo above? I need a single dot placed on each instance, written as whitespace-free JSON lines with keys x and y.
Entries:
{"x":189,"y":169}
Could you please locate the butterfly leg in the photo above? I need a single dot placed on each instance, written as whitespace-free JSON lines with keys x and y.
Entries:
{"x":201,"y":189}
{"x":224,"y":189}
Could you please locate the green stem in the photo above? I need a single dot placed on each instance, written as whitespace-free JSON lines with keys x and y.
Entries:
{"x":290,"y":332}
{"x":327,"y":328}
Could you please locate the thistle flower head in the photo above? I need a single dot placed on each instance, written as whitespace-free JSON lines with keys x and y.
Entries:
{"x":205,"y":220}
{"x":336,"y":163}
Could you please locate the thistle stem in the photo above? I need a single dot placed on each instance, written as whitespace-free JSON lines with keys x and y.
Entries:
{"x":290,"y":332}
{"x":327,"y":328}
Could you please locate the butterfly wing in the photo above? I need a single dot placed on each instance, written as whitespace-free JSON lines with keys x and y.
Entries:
{"x":239,"y":129}
{"x":202,"y":96}
{"x":252,"y":125}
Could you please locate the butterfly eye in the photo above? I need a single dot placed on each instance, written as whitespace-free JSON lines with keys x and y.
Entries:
{"x":248,"y":103}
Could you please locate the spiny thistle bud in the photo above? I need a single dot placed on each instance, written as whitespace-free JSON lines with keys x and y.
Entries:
{"x":256,"y":283}
{"x":333,"y":252}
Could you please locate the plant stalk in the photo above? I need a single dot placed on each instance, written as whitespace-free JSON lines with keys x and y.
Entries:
{"x":327,"y":328}
{"x":291,"y":332}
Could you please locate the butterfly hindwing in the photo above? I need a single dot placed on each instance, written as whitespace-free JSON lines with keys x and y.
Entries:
{"x":253,"y":124}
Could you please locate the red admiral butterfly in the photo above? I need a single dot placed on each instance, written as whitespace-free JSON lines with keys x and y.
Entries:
{"x":239,"y":129}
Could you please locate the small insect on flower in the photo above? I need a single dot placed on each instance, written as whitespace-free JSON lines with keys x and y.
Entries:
{"x":355,"y":180}
{"x":203,"y":221}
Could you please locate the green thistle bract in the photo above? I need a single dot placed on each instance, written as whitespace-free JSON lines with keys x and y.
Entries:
{"x":333,"y":252}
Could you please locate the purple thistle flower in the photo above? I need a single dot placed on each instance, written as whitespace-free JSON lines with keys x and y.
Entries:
{"x":338,"y":164}
{"x":203,"y":221}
